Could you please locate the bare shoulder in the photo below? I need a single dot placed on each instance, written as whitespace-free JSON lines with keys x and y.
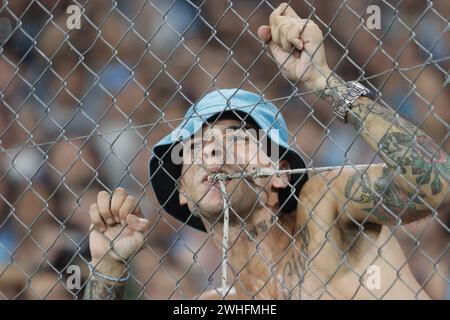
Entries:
{"x":321,"y":187}
{"x":316,"y":207}
{"x":320,"y":195}
{"x":321,"y":201}
{"x":316,"y":190}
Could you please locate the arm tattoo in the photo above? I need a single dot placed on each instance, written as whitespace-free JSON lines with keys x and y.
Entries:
{"x":385,"y":200}
{"x":399,"y":143}
{"x":336,"y":87}
{"x":422,"y":157}
{"x":97,"y":289}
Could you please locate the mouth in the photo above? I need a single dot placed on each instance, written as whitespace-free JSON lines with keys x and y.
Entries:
{"x":210,"y":177}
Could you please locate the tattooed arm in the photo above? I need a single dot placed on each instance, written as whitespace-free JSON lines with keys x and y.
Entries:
{"x":101,"y":289}
{"x":98,"y":288}
{"x":415,"y":177}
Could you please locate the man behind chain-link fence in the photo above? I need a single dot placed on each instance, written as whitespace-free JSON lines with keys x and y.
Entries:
{"x":292,"y":236}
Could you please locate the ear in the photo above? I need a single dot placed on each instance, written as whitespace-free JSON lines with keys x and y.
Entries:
{"x":182,"y":198}
{"x":281,"y":181}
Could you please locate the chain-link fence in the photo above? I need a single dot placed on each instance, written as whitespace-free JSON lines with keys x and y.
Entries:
{"x":89,"y":87}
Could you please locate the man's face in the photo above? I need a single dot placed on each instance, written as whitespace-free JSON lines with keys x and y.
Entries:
{"x":227,"y":147}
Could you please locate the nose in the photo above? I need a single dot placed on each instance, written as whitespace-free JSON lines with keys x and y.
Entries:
{"x":213,"y":149}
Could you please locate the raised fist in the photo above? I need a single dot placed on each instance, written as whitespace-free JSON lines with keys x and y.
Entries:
{"x":117,"y":231}
{"x":297,"y":46}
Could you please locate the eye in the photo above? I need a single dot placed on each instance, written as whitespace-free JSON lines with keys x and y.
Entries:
{"x":240,"y":137}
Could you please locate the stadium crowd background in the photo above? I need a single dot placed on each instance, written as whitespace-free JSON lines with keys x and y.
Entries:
{"x":65,"y":90}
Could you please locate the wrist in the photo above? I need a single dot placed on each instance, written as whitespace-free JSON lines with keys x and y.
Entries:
{"x":109,"y":267}
{"x":320,"y":81}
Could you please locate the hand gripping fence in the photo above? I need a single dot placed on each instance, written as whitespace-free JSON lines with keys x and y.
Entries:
{"x":88,"y":88}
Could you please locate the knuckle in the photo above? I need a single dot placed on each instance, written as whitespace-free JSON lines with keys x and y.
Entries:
{"x":114,"y":208}
{"x":120,"y":191}
{"x":123,"y":213}
{"x":280,"y":19}
{"x":282,"y":7}
{"x":96,"y":221}
{"x":314,"y":26}
{"x":102,"y":196}
{"x":284,"y":29}
{"x":127,"y":206}
{"x":104,"y":214}
{"x":102,"y":193}
{"x":131,"y":199}
{"x":273,"y":17}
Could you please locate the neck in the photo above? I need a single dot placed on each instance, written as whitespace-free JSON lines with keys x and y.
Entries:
{"x":263,"y":253}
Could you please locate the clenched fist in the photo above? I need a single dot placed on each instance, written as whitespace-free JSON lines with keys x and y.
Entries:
{"x":117,"y":231}
{"x":297,"y":45}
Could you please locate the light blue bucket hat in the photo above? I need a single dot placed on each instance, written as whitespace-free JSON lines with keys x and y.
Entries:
{"x":244,"y":105}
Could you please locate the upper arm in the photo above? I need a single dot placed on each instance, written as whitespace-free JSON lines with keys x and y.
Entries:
{"x":375,"y":195}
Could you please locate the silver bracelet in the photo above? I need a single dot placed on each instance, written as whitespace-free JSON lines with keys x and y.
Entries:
{"x":104,"y":276}
{"x":344,"y":104}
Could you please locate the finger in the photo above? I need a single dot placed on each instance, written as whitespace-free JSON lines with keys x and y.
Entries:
{"x":284,"y":39}
{"x":117,"y":200}
{"x":298,"y":44}
{"x":277,"y":12}
{"x":96,"y":219}
{"x":277,"y":51}
{"x":293,"y":36}
{"x":275,"y":33}
{"x":264,"y":33}
{"x":103,"y":199}
{"x":280,"y":28}
{"x":138,"y":224}
{"x":289,"y":12}
{"x":127,"y":208}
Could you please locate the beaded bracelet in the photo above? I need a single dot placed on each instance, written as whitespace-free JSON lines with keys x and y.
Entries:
{"x":104,"y":276}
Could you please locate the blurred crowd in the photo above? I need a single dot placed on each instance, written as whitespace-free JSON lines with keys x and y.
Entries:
{"x":81,"y":109}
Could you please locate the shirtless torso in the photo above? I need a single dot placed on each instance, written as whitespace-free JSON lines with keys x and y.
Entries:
{"x":337,"y":258}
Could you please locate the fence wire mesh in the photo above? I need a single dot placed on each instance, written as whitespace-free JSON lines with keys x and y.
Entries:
{"x":82,"y":108}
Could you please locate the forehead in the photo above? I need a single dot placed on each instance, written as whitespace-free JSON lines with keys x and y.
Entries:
{"x":224,"y":123}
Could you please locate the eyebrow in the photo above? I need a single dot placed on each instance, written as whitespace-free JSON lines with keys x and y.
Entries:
{"x":236,"y":127}
{"x":233,"y":127}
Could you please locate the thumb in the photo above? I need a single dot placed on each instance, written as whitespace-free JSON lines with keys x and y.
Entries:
{"x":264,"y":33}
{"x":138,"y":224}
{"x":281,"y":56}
